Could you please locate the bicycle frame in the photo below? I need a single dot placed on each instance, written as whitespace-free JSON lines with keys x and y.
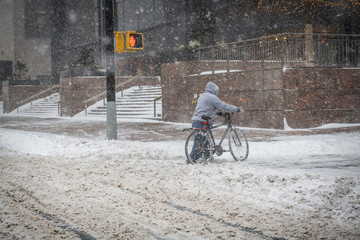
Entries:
{"x":210,"y":128}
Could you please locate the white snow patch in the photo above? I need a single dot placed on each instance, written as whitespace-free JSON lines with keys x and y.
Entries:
{"x":216,"y":72}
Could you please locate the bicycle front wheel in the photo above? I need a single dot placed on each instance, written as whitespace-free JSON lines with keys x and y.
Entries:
{"x":238,"y":144}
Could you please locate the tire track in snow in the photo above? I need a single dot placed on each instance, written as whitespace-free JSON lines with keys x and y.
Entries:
{"x":199,"y":213}
{"x":238,"y":226}
{"x":62,"y":224}
{"x":57,"y":221}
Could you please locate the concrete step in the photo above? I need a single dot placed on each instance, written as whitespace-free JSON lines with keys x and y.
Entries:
{"x":135,"y":102}
{"x":43,"y":106}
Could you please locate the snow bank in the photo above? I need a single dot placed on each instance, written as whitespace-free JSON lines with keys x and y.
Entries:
{"x":46,"y":144}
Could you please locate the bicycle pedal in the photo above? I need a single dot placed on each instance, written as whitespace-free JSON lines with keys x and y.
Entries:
{"x":190,"y":161}
{"x":204,"y":161}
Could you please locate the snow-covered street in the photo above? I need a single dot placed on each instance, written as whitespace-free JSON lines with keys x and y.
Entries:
{"x":60,"y":179}
{"x":106,"y":108}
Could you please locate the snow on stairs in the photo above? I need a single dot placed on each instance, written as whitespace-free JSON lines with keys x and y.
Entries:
{"x":45,"y":106}
{"x":135,"y":102}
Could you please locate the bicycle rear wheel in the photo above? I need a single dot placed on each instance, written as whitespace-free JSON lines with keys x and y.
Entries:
{"x":198,"y":146}
{"x":238,"y":144}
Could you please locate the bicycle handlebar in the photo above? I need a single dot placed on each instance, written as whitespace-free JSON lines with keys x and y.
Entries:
{"x":226,"y":115}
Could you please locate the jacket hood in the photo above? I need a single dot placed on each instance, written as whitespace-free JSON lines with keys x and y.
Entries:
{"x":212,"y":88}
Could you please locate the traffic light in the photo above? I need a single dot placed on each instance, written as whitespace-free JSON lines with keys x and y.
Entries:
{"x":134,"y":41}
{"x":128,"y":41}
{"x":119,"y":42}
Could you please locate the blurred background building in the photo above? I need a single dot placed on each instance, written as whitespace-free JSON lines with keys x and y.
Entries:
{"x":39,"y":40}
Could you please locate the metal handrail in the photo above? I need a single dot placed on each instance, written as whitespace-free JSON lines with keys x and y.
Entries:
{"x":154,"y":100}
{"x":102,"y":95}
{"x":34,"y":97}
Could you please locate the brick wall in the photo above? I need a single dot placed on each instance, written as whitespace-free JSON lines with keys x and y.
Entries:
{"x":317,"y":96}
{"x":13,"y":95}
{"x":307,"y":97}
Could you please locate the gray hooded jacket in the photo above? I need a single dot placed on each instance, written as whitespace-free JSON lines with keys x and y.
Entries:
{"x":208,"y":103}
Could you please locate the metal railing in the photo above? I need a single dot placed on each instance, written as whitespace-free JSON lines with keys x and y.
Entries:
{"x":35,"y":97}
{"x":154,"y":100}
{"x":102,"y":95}
{"x":321,"y":50}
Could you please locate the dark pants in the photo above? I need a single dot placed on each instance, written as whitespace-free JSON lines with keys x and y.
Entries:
{"x":200,"y":139}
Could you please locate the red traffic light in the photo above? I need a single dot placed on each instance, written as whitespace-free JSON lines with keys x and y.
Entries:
{"x":135,"y":41}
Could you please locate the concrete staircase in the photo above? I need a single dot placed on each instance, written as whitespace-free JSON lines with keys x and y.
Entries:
{"x":48,"y":106}
{"x":135,"y":102}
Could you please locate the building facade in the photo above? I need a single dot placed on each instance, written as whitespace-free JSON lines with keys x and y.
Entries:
{"x":44,"y":37}
{"x":40,"y":39}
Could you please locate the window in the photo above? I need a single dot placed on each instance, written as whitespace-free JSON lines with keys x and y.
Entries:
{"x":37,"y":19}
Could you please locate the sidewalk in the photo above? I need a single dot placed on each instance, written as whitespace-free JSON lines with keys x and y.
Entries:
{"x":146,"y":130}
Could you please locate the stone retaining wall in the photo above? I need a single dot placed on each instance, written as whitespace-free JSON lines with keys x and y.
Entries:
{"x":305,"y":97}
{"x":314,"y":97}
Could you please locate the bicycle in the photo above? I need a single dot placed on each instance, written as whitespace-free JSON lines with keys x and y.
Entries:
{"x":200,"y":145}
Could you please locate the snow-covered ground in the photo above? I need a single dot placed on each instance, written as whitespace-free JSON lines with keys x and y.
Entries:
{"x":64,"y":184}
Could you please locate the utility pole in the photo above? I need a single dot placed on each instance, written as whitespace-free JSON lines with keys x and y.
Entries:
{"x":111,"y":123}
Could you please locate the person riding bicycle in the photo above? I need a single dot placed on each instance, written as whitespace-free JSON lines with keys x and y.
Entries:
{"x":208,"y":105}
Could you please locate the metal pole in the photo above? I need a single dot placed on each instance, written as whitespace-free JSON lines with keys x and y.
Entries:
{"x":228,"y":57}
{"x":347,"y":51}
{"x":213,"y":59}
{"x":154,"y":108}
{"x":111,"y":124}
{"x":244,"y":54}
{"x":199,"y":61}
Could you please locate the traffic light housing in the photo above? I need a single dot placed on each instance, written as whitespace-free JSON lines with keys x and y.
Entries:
{"x":134,"y":41}
{"x":119,"y":42}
